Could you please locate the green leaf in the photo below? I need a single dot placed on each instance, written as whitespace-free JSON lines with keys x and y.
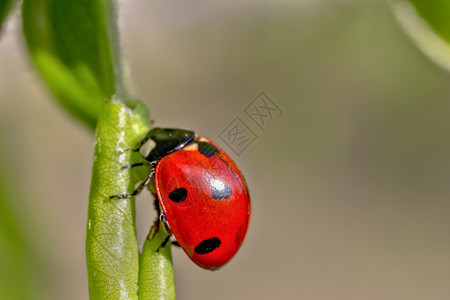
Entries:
{"x":5,"y":6}
{"x":156,"y":273}
{"x":437,"y":14}
{"x":19,"y":263}
{"x":14,"y":253}
{"x":427,"y":22}
{"x":73,"y":44}
{"x":111,"y":246}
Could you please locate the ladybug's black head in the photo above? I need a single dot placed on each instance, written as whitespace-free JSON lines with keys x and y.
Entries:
{"x":166,"y":141}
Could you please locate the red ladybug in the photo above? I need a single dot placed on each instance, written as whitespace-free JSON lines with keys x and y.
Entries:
{"x":201,"y":191}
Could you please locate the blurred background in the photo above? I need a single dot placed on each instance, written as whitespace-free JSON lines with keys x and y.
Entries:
{"x":349,"y":185}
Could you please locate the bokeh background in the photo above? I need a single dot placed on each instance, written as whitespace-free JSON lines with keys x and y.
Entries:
{"x":350,"y":185}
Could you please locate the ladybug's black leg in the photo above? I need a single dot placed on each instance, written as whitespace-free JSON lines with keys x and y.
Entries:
{"x":131,"y":166}
{"x":135,"y":148}
{"x":164,"y":243}
{"x":139,"y":144}
{"x":162,"y":217}
{"x":175,"y":243}
{"x":136,"y":191}
{"x":157,"y":208}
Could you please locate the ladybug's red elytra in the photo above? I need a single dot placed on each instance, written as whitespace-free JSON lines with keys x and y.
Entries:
{"x":202,"y":193}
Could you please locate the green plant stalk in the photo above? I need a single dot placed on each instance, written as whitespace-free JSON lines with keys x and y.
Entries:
{"x":75,"y":47}
{"x":121,"y":84}
{"x":111,"y":245}
{"x":156,"y":273}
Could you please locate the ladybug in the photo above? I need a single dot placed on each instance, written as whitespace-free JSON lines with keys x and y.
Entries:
{"x":203,"y":195}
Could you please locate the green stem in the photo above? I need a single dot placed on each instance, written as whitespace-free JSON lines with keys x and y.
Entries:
{"x":111,"y":245}
{"x":156,"y":272}
{"x":122,"y":89}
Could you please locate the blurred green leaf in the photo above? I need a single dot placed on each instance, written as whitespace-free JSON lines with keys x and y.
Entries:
{"x":19,"y":266}
{"x":437,"y":14}
{"x":13,"y":253}
{"x":71,"y":44}
{"x":428,"y":24}
{"x":5,"y":6}
{"x":156,"y":271}
{"x":111,"y":246}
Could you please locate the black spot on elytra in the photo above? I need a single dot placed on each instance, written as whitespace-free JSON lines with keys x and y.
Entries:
{"x":207,"y":149}
{"x":223,"y":193}
{"x":178,"y":195}
{"x":207,"y":246}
